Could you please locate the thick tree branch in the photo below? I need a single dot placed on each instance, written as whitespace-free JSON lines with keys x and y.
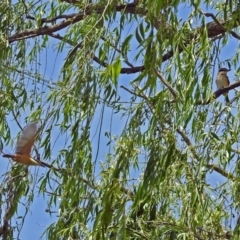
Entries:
{"x":45,"y":30}
{"x":70,"y":19}
{"x":214,"y":28}
{"x":219,"y":92}
{"x":221,"y":26}
{"x":226,"y":89}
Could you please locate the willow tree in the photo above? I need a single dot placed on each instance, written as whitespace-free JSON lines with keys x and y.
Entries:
{"x":142,"y":147}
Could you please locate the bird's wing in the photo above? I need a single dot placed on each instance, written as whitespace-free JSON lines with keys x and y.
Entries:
{"x":26,"y":140}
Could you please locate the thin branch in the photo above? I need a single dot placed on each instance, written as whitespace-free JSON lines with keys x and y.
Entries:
{"x":130,"y":91}
{"x":71,"y":1}
{"x":165,"y":82}
{"x":140,"y":94}
{"x":96,"y":59}
{"x":88,"y":183}
{"x":125,"y":60}
{"x":220,"y":25}
{"x":235,"y":151}
{"x":51,"y":193}
{"x":46,"y":20}
{"x":221,"y":171}
{"x":16,"y":120}
{"x":188,"y":142}
{"x":76,"y":47}
{"x":210,"y":166}
{"x":179,"y":131}
{"x":59,"y":37}
{"x":128,"y":192}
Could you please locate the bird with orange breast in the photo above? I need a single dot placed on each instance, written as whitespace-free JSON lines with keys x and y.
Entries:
{"x":24,"y":146}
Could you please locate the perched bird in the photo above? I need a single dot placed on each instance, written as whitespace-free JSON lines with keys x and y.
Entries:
{"x":222,"y":81}
{"x":24,"y":146}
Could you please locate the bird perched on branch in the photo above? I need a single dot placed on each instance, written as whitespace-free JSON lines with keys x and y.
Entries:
{"x":222,"y":81}
{"x":24,"y":146}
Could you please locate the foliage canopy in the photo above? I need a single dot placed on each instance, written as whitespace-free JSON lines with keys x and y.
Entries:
{"x":123,"y":95}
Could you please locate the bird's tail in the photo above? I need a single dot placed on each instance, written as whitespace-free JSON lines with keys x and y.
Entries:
{"x":227,"y":99}
{"x":7,"y":155}
{"x":43,"y":164}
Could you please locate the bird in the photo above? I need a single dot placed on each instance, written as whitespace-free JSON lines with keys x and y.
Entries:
{"x":222,"y":81}
{"x":24,"y":146}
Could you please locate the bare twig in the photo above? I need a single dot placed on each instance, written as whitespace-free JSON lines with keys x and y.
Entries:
{"x":221,"y":171}
{"x":160,"y":76}
{"x":235,"y":151}
{"x":188,"y":142}
{"x":125,"y":60}
{"x":130,"y":91}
